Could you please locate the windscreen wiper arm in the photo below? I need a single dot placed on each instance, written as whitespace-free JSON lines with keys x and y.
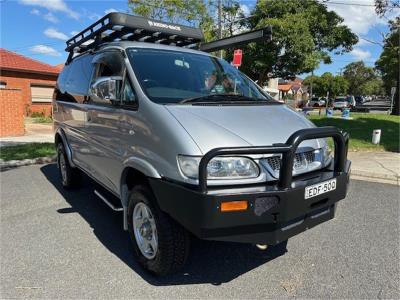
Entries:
{"x":219,"y":98}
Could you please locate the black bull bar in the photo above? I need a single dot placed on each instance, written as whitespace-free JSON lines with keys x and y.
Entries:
{"x":288,"y":151}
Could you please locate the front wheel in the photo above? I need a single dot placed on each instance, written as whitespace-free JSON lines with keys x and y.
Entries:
{"x":161,"y":245}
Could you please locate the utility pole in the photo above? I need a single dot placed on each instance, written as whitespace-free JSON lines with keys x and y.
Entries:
{"x":220,"y":23}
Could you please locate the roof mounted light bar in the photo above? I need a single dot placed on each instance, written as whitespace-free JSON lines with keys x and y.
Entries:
{"x":120,"y":26}
{"x":239,"y":39}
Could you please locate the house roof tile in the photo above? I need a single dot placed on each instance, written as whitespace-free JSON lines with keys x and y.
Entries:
{"x":13,"y":61}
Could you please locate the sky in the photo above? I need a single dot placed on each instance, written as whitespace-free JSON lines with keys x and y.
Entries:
{"x":39,"y":28}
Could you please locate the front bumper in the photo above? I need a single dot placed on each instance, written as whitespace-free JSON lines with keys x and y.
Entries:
{"x":276,"y":211}
{"x":200,"y":213}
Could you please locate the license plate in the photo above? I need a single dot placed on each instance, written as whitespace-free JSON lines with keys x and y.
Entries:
{"x":320,"y":188}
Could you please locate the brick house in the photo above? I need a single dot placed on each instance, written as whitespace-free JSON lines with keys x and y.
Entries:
{"x":34,"y":79}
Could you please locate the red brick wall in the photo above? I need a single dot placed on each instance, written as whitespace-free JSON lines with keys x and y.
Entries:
{"x":23,"y":81}
{"x":11,"y":113}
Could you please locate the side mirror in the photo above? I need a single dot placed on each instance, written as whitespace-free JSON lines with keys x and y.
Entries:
{"x":106,"y":89}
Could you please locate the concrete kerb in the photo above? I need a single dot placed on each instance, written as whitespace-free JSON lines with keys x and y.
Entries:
{"x":26,"y":162}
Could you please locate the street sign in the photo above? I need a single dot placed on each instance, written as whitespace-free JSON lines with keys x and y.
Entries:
{"x":237,"y":57}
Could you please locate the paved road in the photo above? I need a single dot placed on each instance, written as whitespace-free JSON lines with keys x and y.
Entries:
{"x":57,"y":244}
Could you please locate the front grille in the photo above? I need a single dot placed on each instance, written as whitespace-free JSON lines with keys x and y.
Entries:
{"x":301,"y":161}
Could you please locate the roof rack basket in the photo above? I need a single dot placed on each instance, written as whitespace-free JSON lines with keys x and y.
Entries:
{"x":119,"y":27}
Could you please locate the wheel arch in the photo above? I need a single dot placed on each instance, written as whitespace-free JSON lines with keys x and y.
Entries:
{"x":136,"y":171}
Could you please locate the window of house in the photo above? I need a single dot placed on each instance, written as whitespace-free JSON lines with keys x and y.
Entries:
{"x":41,"y":93}
{"x":3,"y":84}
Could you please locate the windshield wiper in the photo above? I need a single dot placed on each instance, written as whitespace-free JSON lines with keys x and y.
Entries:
{"x":220,"y":98}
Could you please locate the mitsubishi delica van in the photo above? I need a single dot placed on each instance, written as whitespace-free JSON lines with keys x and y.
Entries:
{"x":184,"y":144}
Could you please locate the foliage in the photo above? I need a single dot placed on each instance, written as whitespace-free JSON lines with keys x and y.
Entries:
{"x":189,"y":12}
{"x":304,"y":32}
{"x":358,"y":74}
{"x":27,"y":151}
{"x":383,"y":6}
{"x":360,"y":128}
{"x":37,"y":114}
{"x":42,"y":120}
{"x":389,"y":63}
{"x":372,"y":87}
{"x":327,"y":83}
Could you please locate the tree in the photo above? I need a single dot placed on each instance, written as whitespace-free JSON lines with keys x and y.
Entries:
{"x":335,"y":85}
{"x":383,"y":6}
{"x":357,"y":74}
{"x":190,"y":12}
{"x":304,"y":32}
{"x":389,"y":64}
{"x":389,"y":61}
{"x":373,"y":87}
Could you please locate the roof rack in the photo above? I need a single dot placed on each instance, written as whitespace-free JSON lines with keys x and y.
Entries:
{"x":120,"y":26}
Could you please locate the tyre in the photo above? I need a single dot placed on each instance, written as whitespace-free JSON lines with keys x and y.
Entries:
{"x":70,"y":177}
{"x":161,"y":245}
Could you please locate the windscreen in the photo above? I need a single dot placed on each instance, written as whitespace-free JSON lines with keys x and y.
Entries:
{"x":172,"y":76}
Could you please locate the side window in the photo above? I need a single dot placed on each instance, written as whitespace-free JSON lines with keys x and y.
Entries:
{"x":79,"y":74}
{"x":128,"y":94}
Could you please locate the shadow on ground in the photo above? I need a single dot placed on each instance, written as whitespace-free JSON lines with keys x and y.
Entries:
{"x":209,"y":262}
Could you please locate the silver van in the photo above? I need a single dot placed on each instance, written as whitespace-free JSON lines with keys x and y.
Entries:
{"x":184,"y":144}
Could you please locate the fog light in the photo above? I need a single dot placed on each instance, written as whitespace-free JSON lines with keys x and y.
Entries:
{"x":263,"y":204}
{"x":234,"y":206}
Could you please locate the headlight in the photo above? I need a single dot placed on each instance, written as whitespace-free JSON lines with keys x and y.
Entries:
{"x":324,"y":155}
{"x":220,"y":167}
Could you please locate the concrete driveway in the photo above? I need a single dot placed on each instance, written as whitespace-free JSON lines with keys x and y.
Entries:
{"x":58,"y":244}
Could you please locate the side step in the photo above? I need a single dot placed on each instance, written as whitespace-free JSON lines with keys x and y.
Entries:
{"x":114,"y":208}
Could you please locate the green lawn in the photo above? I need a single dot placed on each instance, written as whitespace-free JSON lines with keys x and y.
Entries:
{"x":27,"y":151}
{"x":42,"y":120}
{"x":360,"y":129}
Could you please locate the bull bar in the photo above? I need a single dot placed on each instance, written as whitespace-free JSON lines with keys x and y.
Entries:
{"x":288,"y":151}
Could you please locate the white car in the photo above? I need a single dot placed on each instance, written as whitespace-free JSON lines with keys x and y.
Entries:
{"x":317,"y":102}
{"x":340,"y":103}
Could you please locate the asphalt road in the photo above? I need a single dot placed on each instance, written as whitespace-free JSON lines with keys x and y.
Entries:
{"x":58,"y":244}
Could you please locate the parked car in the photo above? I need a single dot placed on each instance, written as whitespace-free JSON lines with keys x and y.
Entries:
{"x":340,"y":102}
{"x":183,"y":143}
{"x":351,"y":101}
{"x":317,"y":102}
{"x":360,"y":100}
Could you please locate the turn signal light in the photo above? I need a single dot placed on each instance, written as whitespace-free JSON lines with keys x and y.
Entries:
{"x":234,"y":205}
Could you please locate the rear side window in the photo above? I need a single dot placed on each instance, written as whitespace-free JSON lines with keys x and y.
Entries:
{"x":62,"y":79}
{"x":79,"y":75}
